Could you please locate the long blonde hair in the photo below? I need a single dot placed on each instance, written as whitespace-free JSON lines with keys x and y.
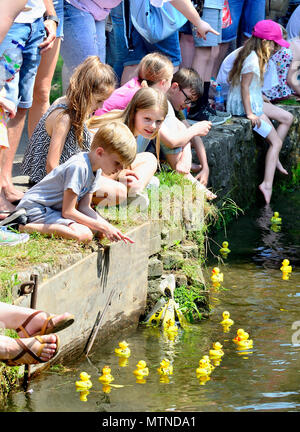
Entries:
{"x":116,"y":137}
{"x":90,"y":78}
{"x":263,"y":49}
{"x":153,"y":68}
{"x":145,"y":98}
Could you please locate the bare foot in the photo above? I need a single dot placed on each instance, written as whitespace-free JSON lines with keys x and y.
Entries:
{"x":6,"y":207}
{"x":36,"y":323}
{"x":266,"y":191}
{"x":12,"y":194}
{"x":9,"y":348}
{"x":281,"y":169}
{"x":209,"y":195}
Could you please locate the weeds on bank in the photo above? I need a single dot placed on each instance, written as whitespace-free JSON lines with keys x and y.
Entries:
{"x":190,"y":302}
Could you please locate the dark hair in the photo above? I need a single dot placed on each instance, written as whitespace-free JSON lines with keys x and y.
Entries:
{"x":189,"y":78}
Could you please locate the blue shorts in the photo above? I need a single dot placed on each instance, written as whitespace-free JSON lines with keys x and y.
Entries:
{"x":20,"y":89}
{"x":246,"y":12}
{"x":214,"y":18}
{"x":45,"y":215}
{"x":169,"y":47}
{"x":59,"y":9}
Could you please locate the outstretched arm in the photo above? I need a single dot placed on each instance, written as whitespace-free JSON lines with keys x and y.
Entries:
{"x":187,"y":9}
{"x":85,"y":215}
{"x":174,"y":134}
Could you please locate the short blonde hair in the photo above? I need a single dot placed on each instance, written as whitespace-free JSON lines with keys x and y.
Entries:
{"x":116,"y":137}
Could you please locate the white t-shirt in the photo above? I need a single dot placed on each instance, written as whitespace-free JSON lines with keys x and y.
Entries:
{"x":293,"y":26}
{"x":34,"y":9}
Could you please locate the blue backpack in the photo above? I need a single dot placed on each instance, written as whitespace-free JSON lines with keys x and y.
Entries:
{"x":155,"y":23}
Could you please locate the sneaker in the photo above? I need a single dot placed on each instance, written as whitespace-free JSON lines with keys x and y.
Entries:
{"x":140,"y":199}
{"x":17,"y":217}
{"x":205,"y":115}
{"x":9,"y":238}
{"x":218,"y":113}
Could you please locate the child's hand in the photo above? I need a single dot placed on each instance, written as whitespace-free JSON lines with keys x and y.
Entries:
{"x":203,"y":28}
{"x":203,"y":127}
{"x":114,"y":234}
{"x":8,"y":106}
{"x":127,"y":177}
{"x":255,"y":121}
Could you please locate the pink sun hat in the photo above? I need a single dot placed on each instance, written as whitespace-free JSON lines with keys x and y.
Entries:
{"x":269,"y":30}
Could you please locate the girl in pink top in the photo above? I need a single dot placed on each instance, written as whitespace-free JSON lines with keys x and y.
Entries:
{"x":154,"y":68}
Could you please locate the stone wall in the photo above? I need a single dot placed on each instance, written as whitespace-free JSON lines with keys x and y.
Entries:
{"x":236,"y":158}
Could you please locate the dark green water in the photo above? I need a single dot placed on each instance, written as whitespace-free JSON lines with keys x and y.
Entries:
{"x":259,"y":301}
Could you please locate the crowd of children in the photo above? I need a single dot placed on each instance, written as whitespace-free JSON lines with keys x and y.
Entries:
{"x":128,"y":104}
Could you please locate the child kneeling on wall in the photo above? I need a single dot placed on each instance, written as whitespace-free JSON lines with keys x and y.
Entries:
{"x":60,"y":203}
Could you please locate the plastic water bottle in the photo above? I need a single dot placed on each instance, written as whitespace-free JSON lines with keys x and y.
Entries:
{"x":219,"y":100}
{"x":14,"y":55}
{"x":6,"y":72}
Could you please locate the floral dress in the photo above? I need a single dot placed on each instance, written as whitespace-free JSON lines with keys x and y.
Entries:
{"x":282,"y":60}
{"x":234,"y":101}
{"x":35,"y":157}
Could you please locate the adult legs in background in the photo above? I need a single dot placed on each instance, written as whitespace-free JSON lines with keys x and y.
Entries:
{"x":31,"y":36}
{"x":42,"y":86}
{"x":83,"y":37}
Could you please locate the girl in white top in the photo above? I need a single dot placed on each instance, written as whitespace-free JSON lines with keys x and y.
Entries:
{"x":245,"y":95}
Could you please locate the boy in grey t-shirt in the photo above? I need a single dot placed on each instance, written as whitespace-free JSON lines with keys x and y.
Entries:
{"x":60,"y":203}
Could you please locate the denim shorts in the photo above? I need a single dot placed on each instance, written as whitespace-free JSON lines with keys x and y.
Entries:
{"x":214,"y":18}
{"x":246,"y":12}
{"x":169,"y":47}
{"x":59,"y":9}
{"x":20,"y":89}
{"x":83,"y":37}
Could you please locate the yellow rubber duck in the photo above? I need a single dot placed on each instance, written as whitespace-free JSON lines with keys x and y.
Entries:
{"x":203,"y":379}
{"x":85,"y":382}
{"x":217,"y":350}
{"x":141,"y":370}
{"x":240,"y":335}
{"x":165,"y":367}
{"x":210,"y":365}
{"x":245,"y":342}
{"x":216,"y":276}
{"x":106,"y":378}
{"x":275,"y":219}
{"x":123,"y":350}
{"x":203,"y":368}
{"x":171,"y":327}
{"x":227,"y":321}
{"x":224,"y":249}
{"x":286,"y":269}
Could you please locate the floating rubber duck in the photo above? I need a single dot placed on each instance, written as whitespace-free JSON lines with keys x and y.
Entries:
{"x":141,"y":370}
{"x":240,"y":335}
{"x":203,"y":368}
{"x":165,"y":367}
{"x":217,"y":350}
{"x":275,"y":219}
{"x":224,"y":249}
{"x":85,"y":382}
{"x":210,"y":365}
{"x":171,"y":327}
{"x":227,"y":321}
{"x":123,"y":350}
{"x":106,"y":378}
{"x":216,"y":277}
{"x":245,"y":342}
{"x":286,"y":269}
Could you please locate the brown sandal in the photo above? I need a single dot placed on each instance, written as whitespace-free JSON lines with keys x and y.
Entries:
{"x":48,"y":326}
{"x":26,"y":356}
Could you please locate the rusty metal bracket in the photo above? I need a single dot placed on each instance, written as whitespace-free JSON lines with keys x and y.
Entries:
{"x":26,"y":288}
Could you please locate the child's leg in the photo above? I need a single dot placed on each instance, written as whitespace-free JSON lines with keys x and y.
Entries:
{"x":5,"y":206}
{"x":285,"y":120}
{"x":271,"y":161}
{"x":110,"y":193}
{"x":144,"y":166}
{"x":73,"y":231}
{"x":173,"y":159}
